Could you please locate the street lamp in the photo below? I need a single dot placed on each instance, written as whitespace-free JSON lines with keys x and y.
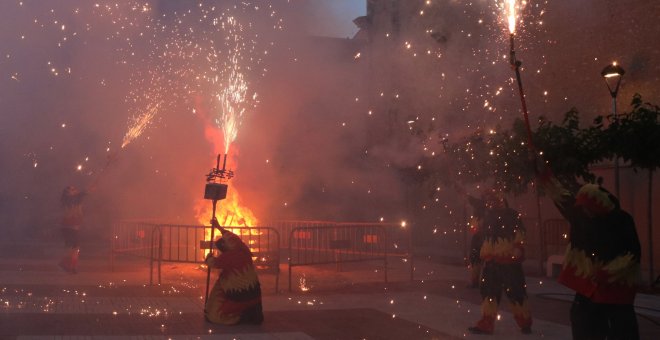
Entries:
{"x":612,"y":74}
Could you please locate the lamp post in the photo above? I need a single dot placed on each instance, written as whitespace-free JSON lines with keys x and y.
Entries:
{"x":612,"y":74}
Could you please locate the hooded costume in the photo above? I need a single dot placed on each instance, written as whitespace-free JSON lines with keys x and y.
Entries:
{"x":602,"y":261}
{"x":502,"y":253}
{"x":236,"y":295}
{"x":72,"y":219}
{"x":476,"y":240}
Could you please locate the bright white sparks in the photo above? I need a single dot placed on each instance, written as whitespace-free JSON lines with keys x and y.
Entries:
{"x":140,"y":123}
{"x":511,"y":15}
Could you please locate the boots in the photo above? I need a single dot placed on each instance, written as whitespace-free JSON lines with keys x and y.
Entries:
{"x":69,"y":263}
{"x":522,"y":316}
{"x":484,"y":326}
{"x":74,"y":260}
{"x":488,"y":313}
{"x":65,"y":264}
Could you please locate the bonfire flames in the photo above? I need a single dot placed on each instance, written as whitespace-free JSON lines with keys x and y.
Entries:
{"x":232,"y":102}
{"x":229,"y":212}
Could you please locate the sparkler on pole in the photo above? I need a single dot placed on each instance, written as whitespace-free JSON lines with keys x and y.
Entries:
{"x":515,"y":65}
{"x":134,"y":131}
{"x":140,"y":123}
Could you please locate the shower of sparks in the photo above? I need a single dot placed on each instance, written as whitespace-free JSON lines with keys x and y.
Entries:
{"x":169,"y":53}
{"x":140,"y":123}
{"x":232,"y":98}
{"x":511,"y":15}
{"x":447,"y":87}
{"x":163,"y":56}
{"x":302,"y":284}
{"x":208,"y":53}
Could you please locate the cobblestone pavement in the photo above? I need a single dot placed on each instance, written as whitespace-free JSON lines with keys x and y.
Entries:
{"x":38,"y":301}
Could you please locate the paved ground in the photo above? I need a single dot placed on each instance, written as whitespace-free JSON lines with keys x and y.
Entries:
{"x":38,"y":301}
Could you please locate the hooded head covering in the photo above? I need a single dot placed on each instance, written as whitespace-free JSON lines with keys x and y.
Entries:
{"x":494,"y":198}
{"x":595,"y":200}
{"x":231,"y":242}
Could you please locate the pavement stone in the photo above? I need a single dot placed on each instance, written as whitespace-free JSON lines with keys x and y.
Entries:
{"x":39,"y":301}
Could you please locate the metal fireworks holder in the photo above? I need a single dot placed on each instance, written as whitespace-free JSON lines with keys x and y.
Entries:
{"x":215,"y":190}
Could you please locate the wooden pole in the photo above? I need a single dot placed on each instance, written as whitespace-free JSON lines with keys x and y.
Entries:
{"x":208,"y":271}
{"x":650,"y":226}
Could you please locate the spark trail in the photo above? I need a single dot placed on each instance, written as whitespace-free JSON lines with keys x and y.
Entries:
{"x":233,"y":99}
{"x":140,"y":123}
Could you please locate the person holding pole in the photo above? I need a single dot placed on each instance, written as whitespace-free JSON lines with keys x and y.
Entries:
{"x":70,"y":223}
{"x":602,"y":262}
{"x":236,"y":295}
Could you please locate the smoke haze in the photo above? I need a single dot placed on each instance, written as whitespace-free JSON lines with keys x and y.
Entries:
{"x":323,"y":137}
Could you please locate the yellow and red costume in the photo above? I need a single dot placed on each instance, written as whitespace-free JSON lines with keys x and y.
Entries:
{"x":502,"y":253}
{"x":72,"y":219}
{"x":236,"y":295}
{"x":602,"y":261}
{"x":476,"y":240}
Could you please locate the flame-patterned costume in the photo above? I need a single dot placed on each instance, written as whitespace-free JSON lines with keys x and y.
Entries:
{"x":602,"y":261}
{"x":502,"y":252}
{"x":477,"y":239}
{"x":72,"y":219}
{"x":72,"y":204}
{"x":236,"y":295}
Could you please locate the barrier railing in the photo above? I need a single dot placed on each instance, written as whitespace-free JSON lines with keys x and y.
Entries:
{"x":555,"y":235}
{"x":160,"y":243}
{"x":132,"y":238}
{"x":309,"y":243}
{"x":285,"y":227}
{"x":338,"y":243}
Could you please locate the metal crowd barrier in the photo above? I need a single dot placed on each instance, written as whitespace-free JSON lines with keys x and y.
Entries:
{"x":309,"y":243}
{"x":132,"y":238}
{"x":336,"y":243}
{"x":285,"y":227}
{"x":160,"y":243}
{"x":555,"y":232}
{"x":555,"y":240}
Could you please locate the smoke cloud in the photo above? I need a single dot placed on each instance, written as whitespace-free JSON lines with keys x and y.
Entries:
{"x":333,"y":120}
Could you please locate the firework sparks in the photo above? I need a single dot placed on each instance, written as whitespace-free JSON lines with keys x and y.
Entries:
{"x":515,"y":64}
{"x":160,"y":57}
{"x":233,"y":99}
{"x":140,"y":123}
{"x":205,"y":52}
{"x":510,"y":8}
